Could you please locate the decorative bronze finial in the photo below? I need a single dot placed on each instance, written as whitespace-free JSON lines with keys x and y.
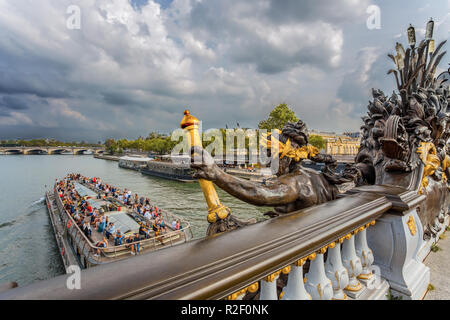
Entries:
{"x":429,"y":30}
{"x":411,"y":36}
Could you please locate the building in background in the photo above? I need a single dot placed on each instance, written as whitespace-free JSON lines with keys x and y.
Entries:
{"x":340,"y":144}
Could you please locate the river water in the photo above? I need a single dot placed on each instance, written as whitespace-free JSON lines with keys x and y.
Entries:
{"x":28,"y":250}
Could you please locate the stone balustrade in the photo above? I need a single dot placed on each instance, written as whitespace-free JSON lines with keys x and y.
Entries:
{"x":341,"y":270}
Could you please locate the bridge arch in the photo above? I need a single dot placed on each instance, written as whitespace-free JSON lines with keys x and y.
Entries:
{"x":36,"y":151}
{"x":59,"y":151}
{"x":13,"y":151}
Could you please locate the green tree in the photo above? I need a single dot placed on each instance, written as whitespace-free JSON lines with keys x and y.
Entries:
{"x":153,"y":135}
{"x":317,"y":141}
{"x":279,"y":116}
{"x":111,"y":145}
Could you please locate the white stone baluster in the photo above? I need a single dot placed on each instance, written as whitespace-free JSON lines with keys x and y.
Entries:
{"x":365,"y":254}
{"x":269,"y":287}
{"x":353,"y":265}
{"x":295,"y":288}
{"x":317,"y":283}
{"x":335,"y":270}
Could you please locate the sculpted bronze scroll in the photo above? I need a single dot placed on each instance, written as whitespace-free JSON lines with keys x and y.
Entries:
{"x":405,"y":136}
{"x":404,"y":142}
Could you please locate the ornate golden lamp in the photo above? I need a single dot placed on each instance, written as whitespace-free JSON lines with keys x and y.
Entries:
{"x":216,"y":210}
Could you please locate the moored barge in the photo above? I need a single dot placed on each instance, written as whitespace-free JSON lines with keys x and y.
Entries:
{"x":133,"y":162}
{"x":176,"y":168}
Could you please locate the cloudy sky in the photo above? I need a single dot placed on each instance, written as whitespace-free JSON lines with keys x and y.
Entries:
{"x":133,"y":66}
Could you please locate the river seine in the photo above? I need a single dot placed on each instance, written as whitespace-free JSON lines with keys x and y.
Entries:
{"x":28,"y":250}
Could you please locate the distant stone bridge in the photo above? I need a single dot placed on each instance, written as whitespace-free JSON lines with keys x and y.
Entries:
{"x":50,"y":150}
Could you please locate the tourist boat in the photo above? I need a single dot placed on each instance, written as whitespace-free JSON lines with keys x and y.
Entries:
{"x":170,"y":167}
{"x":77,"y":249}
{"x":133,"y":162}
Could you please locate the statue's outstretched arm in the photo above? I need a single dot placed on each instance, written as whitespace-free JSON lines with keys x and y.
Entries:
{"x":281,"y":192}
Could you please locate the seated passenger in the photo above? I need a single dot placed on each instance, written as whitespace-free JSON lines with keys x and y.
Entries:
{"x":143,"y":231}
{"x":118,"y":238}
{"x":110,"y":230}
{"x":87,"y":229}
{"x":101,"y":244}
{"x":89,"y":209}
{"x":94,"y":216}
{"x":136,"y":246}
{"x":102,"y":225}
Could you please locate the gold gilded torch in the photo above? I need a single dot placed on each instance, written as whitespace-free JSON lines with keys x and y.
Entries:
{"x":216,"y":210}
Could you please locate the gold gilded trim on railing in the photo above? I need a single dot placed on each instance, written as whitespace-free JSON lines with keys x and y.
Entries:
{"x":412,"y":225}
{"x":312,"y":256}
{"x":346,"y":237}
{"x":325,"y":248}
{"x":272,"y":277}
{"x":364,"y":276}
{"x":354,"y":288}
{"x":251,"y":288}
{"x":286,"y":270}
{"x":300,"y":262}
{"x":354,"y":232}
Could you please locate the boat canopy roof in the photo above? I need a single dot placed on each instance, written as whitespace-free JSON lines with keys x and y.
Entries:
{"x":122,"y":221}
{"x":98,"y":203}
{"x":83,"y":191}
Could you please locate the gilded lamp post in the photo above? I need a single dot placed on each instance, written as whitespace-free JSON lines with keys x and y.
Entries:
{"x":216,"y":210}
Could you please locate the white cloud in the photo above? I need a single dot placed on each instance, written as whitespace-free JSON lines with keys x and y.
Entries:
{"x":16,"y":118}
{"x":131,"y":71}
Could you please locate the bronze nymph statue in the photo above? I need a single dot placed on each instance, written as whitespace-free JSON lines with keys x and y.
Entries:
{"x":295,"y":187}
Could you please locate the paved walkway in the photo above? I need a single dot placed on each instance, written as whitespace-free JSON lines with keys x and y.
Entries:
{"x":439,"y":263}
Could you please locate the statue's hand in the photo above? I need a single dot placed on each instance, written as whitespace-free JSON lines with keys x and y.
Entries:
{"x":204,"y":164}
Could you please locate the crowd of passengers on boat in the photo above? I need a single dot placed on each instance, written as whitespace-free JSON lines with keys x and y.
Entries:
{"x":88,"y":218}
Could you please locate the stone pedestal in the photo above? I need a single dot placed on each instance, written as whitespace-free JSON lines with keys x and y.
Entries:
{"x":396,"y":240}
{"x":378,"y":292}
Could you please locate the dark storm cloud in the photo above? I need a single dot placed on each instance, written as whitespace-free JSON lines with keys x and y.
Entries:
{"x":13,"y":103}
{"x":117,"y":99}
{"x":32,"y":86}
{"x":337,"y":11}
{"x":132,"y":69}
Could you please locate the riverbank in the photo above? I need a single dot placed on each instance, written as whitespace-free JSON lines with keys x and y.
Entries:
{"x":106,"y":157}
